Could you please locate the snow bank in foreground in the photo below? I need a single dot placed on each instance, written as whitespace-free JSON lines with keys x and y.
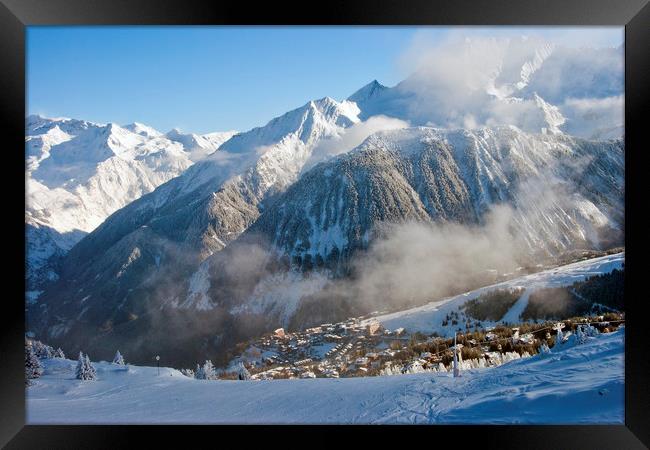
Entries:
{"x":581,"y":384}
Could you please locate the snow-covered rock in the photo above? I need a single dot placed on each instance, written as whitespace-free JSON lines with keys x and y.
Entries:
{"x":199,"y":146}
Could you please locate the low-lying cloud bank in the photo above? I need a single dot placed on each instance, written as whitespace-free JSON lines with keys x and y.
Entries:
{"x":415,"y":262}
{"x":406,"y":264}
{"x":411,"y":263}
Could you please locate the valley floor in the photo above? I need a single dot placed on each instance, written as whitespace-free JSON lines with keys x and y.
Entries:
{"x":579,"y":384}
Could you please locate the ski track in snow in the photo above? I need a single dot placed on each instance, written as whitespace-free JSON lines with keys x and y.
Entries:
{"x":513,"y":314}
{"x":580,"y":384}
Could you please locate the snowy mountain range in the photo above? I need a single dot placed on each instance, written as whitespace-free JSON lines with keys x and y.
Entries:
{"x":193,"y":248}
{"x":79,"y":172}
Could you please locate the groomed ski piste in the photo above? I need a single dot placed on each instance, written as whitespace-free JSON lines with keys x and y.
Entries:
{"x":571,"y":385}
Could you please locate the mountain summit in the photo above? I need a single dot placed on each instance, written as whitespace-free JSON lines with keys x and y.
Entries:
{"x":369,"y":91}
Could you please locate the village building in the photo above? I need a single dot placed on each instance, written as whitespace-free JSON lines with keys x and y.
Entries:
{"x":374,"y":328}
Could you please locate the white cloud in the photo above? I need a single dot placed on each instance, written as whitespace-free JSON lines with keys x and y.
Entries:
{"x":595,"y":118}
{"x":352,"y":137}
{"x":484,"y":77}
{"x":466,"y":82}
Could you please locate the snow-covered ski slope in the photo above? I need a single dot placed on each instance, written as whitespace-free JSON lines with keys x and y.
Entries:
{"x":429,"y":318}
{"x":579,"y":384}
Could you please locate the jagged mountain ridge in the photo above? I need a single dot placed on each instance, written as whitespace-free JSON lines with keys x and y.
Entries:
{"x":217,"y":198}
{"x":79,"y":172}
{"x":158,"y":238}
{"x":419,"y":174}
{"x":427,"y":174}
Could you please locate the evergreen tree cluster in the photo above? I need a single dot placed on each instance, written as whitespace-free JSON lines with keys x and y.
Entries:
{"x":579,"y":299}
{"x":606,"y":289}
{"x":206,"y":371}
{"x":492,"y":305}
{"x":85,"y":370}
{"x":33,"y":367}
{"x":44,"y":351}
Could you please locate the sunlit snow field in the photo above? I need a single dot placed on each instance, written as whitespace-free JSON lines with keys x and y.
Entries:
{"x":578,"y":384}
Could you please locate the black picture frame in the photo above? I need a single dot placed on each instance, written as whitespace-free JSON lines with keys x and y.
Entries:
{"x":15,"y":15}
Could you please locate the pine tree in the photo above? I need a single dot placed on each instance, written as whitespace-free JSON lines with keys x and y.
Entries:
{"x":42,"y":351}
{"x":118,"y":359}
{"x":59,"y":353}
{"x":242,"y":372}
{"x":199,"y":374}
{"x":208,"y":370}
{"x":90,"y":369}
{"x":33,"y":367}
{"x":85,"y":370}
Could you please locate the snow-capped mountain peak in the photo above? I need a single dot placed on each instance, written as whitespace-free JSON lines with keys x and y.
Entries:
{"x":142,"y":129}
{"x":80,"y":172}
{"x":367,"y":92}
{"x":199,"y":146}
{"x":535,"y":85}
{"x":308,"y":123}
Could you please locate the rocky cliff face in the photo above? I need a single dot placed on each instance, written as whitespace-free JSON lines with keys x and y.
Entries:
{"x":565,"y":191}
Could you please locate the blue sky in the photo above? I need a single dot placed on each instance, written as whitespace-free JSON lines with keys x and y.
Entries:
{"x":204,"y":79}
